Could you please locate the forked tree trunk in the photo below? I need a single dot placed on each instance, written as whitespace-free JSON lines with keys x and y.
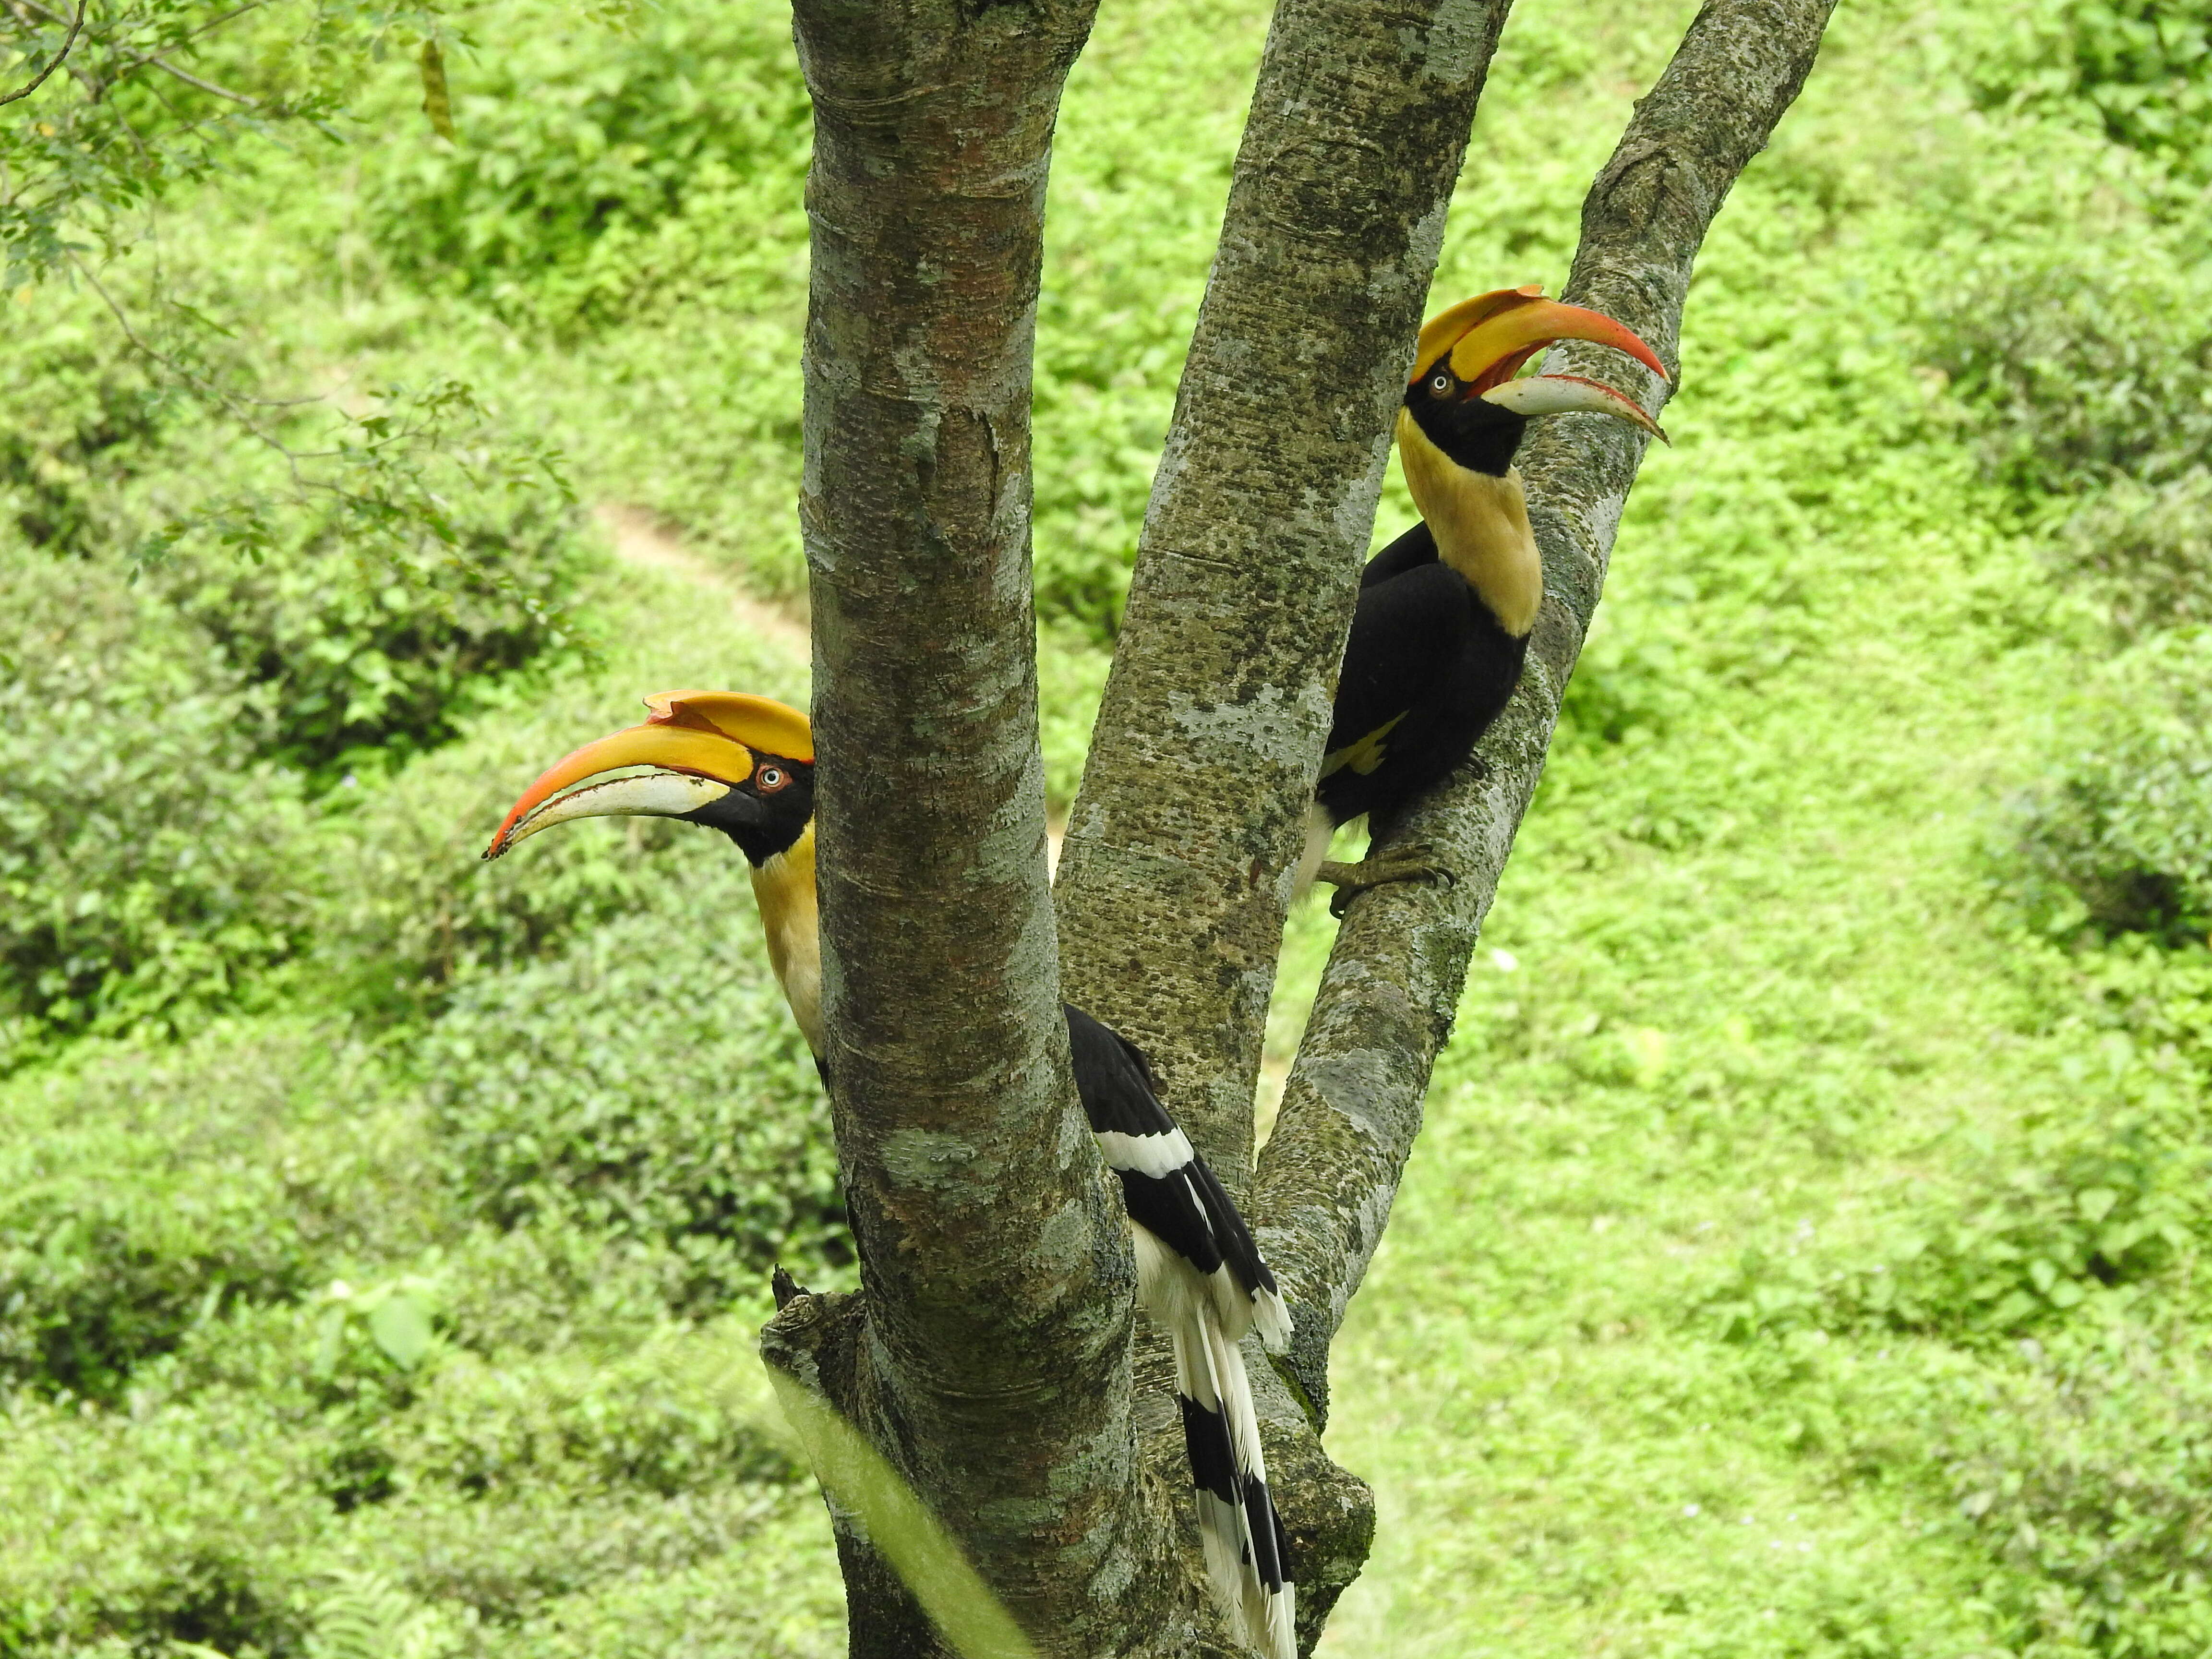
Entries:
{"x":988,"y":1353}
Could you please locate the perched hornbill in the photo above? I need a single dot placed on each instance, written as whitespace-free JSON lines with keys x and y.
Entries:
{"x":1445,"y":610}
{"x":744,"y":765}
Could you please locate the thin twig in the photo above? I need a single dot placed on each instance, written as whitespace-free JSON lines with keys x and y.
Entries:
{"x":214,"y":393}
{"x":155,"y":60}
{"x":231,"y":16}
{"x":76,"y":27}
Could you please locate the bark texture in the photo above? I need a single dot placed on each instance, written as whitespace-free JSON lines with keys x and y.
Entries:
{"x":987,"y":1355}
{"x":1174,"y":878}
{"x":1353,"y":1102}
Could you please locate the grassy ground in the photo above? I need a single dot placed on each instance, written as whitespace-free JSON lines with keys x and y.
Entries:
{"x":1799,"y":1257}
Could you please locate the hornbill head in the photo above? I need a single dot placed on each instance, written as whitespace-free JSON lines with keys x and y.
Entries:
{"x":1463,"y":395}
{"x":741,"y":764}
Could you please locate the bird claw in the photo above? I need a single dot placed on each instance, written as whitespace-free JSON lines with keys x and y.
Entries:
{"x":1415,"y":862}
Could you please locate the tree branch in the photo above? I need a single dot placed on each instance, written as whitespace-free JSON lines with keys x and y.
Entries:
{"x":1175,"y":877}
{"x":152,"y":60}
{"x":1387,"y":1000}
{"x":76,"y":27}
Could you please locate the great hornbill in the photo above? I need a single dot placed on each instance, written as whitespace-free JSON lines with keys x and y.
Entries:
{"x":1444,"y":612}
{"x":744,"y":765}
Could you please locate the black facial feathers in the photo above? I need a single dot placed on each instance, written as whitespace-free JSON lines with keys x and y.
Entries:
{"x":768,"y":813}
{"x":1481,"y":437}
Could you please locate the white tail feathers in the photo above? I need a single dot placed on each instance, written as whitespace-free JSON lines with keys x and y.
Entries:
{"x":1238,"y":1526}
{"x":1271,"y":1320}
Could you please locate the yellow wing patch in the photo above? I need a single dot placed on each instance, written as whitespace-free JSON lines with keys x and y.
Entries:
{"x":1364,"y":756}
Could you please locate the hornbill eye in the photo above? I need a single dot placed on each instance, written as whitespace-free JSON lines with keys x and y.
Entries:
{"x":769,"y":779}
{"x":1440,"y":384}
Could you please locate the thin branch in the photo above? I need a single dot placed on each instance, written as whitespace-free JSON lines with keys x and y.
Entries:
{"x":215,"y":23}
{"x":1353,"y":1104}
{"x":231,"y":403}
{"x":155,"y":60}
{"x":76,"y":27}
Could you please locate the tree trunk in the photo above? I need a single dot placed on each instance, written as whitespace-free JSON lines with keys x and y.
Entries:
{"x":987,"y":1352}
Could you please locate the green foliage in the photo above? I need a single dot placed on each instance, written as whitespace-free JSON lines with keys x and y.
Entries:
{"x":2086,"y":1476}
{"x":167,"y":726}
{"x":147,"y":860}
{"x":2088,"y":1207}
{"x":410,"y":909}
{"x":576,"y":152}
{"x":234,"y":1507}
{"x":2144,"y":552}
{"x":2081,"y":367}
{"x":101,"y":1272}
{"x":154,"y":845}
{"x":681,"y":1411}
{"x":148,"y":1197}
{"x":251,"y":1556}
{"x":2142,"y":68}
{"x":2118,"y":834}
{"x":411,"y":1335}
{"x":364,"y":660}
{"x":2086,"y":373}
{"x":144,"y":106}
{"x":78,"y":419}
{"x":651,"y":1082}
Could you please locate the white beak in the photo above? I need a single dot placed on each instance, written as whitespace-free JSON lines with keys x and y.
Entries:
{"x":650,"y":794}
{"x":1569,"y":394}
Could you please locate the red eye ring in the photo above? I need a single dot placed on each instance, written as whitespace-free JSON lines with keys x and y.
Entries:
{"x":770,"y":778}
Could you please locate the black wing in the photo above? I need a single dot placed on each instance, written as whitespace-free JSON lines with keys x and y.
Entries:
{"x":1426,"y":670}
{"x":1409,"y":638}
{"x":1417,"y":546}
{"x":1165,"y":1185}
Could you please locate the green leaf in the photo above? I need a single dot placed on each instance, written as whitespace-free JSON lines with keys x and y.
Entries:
{"x":329,"y":1333}
{"x":401,"y":1326}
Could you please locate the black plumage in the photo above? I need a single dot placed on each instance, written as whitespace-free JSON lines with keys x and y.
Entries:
{"x":1427,"y":669}
{"x":1203,"y":1281}
{"x":1440,"y":634}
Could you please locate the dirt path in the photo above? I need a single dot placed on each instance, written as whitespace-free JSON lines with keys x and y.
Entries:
{"x":643,"y":537}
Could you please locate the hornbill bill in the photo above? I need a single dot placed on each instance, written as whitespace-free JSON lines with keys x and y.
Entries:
{"x":744,"y":765}
{"x":1444,"y":612}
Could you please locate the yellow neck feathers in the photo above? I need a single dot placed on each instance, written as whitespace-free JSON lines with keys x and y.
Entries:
{"x":792,"y":918}
{"x":1481,"y":527}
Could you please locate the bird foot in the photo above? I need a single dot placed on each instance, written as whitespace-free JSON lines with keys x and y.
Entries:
{"x":1415,"y":862}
